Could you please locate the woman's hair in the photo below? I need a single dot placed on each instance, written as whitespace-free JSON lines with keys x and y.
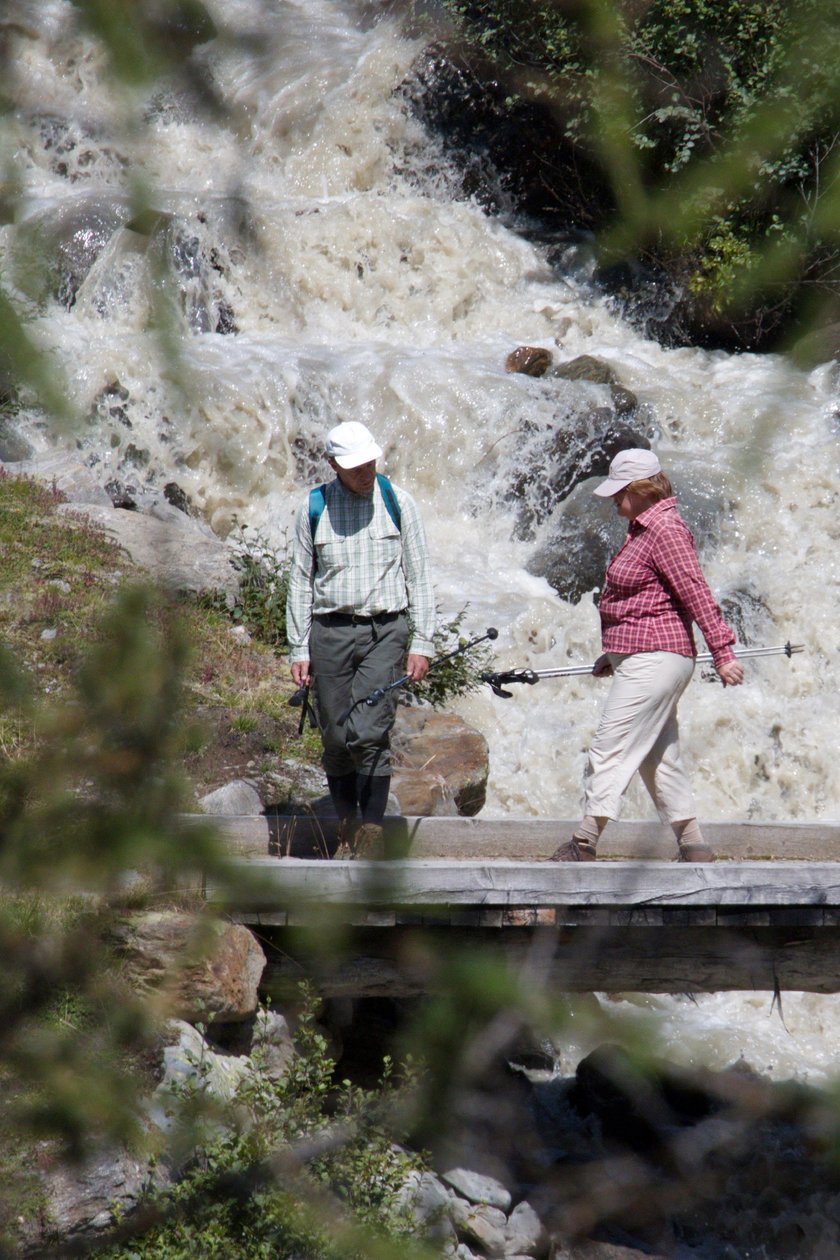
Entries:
{"x":654,"y":488}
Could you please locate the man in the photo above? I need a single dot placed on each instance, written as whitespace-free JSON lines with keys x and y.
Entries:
{"x":359,"y":577}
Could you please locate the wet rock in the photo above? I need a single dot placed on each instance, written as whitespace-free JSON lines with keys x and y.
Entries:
{"x":640,"y":1109}
{"x":202,"y":970}
{"x":53,"y":250}
{"x":440,"y":764}
{"x":566,"y":457}
{"x":530,"y":360}
{"x":582,"y":540}
{"x":819,"y":346}
{"x":67,"y":473}
{"x":179,"y":498}
{"x":587,"y":367}
{"x":13,"y":445}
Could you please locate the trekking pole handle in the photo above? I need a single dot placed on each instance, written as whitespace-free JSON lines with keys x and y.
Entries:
{"x":376,"y":696}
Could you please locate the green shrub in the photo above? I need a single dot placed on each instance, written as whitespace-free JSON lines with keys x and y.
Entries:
{"x":300,"y":1167}
{"x":460,"y":674}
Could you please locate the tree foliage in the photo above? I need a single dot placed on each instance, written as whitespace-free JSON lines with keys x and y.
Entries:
{"x":715,"y":125}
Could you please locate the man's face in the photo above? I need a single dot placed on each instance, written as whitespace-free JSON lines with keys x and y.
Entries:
{"x":360,"y":479}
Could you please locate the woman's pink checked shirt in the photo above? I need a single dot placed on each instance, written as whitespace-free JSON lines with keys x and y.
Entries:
{"x":655,"y":589}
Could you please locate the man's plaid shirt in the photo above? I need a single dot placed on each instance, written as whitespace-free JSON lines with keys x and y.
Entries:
{"x":655,"y":589}
{"x":364,"y":565}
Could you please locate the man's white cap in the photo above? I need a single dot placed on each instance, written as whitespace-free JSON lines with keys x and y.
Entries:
{"x":632,"y":465}
{"x":351,"y":444}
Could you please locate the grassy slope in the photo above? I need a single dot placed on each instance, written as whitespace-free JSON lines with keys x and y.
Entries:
{"x":57,"y":578}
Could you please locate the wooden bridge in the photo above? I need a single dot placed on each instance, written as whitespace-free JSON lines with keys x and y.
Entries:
{"x":766,"y":916}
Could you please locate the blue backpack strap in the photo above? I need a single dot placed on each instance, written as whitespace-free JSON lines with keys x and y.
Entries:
{"x":389,"y":495}
{"x":317,"y":503}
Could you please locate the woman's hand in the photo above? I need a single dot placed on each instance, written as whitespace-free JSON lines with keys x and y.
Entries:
{"x":602,"y":667}
{"x":731,"y":673}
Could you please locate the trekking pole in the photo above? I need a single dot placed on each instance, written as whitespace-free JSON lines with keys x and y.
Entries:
{"x":495,"y":680}
{"x":301,"y":697}
{"x":376,"y":696}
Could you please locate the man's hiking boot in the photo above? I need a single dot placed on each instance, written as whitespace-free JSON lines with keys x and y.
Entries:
{"x":574,"y":850}
{"x":369,"y":841}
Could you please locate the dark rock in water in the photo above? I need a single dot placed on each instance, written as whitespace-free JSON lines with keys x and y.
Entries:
{"x":582,"y":540}
{"x":179,"y":498}
{"x":54,"y":250}
{"x":821,"y":345}
{"x":121,"y":495}
{"x":530,"y":360}
{"x":586,"y":367}
{"x":748,"y":615}
{"x":569,"y":454}
{"x":636,"y":1107}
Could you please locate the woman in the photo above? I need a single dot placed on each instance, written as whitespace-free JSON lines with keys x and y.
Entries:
{"x":653,"y":592}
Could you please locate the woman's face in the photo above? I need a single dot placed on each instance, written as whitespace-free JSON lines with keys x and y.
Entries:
{"x":629,"y":504}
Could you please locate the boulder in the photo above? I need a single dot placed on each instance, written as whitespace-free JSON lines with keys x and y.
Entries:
{"x":174,"y":549}
{"x":479,"y":1225}
{"x":478,"y":1188}
{"x":428,"y":1203}
{"x":203,"y":969}
{"x":273,"y":1045}
{"x":562,"y":458}
{"x":524,"y":1232}
{"x":440,"y":764}
{"x":232,"y":799}
{"x":530,"y":360}
{"x":81,"y":1200}
{"x":189,"y":1064}
{"x":586,"y":367}
{"x":583,"y":535}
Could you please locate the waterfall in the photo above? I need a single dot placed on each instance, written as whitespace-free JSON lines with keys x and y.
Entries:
{"x":316,"y":256}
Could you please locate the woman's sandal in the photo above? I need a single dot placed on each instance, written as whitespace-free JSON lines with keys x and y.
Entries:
{"x":574,"y":850}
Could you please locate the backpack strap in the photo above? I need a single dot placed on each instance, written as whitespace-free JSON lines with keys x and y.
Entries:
{"x":317,"y":503}
{"x":389,"y":495}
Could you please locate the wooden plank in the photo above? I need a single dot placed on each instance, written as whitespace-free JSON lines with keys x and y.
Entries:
{"x":689,"y":960}
{"x":530,"y":839}
{"x":306,"y":885}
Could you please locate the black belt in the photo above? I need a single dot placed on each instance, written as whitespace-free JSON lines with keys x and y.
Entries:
{"x":356,"y":619}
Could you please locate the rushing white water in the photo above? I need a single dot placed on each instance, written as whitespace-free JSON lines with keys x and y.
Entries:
{"x":326,"y":267}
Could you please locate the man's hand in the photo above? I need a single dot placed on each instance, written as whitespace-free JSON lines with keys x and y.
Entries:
{"x":602,"y":667}
{"x":300,"y":673}
{"x":731,"y":673}
{"x":417,"y":667}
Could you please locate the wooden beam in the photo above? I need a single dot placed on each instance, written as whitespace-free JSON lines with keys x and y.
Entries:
{"x":688,"y":960}
{"x":310,"y":885}
{"x":529,"y":839}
